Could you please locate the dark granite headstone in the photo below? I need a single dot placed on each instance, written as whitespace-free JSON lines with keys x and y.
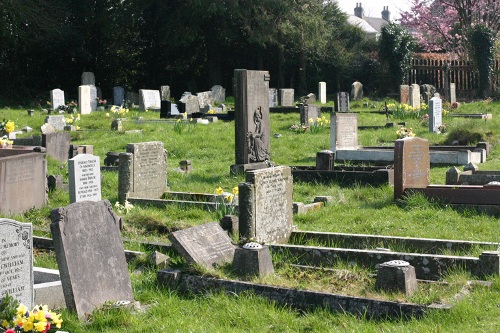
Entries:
{"x":16,"y":261}
{"x":404,"y":94}
{"x":411,"y":165}
{"x":165,"y":109}
{"x":84,"y":175}
{"x":342,"y":102}
{"x":118,"y":95}
{"x":57,"y":145}
{"x":90,"y":256}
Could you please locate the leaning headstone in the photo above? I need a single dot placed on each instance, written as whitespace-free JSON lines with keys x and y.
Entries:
{"x":16,"y":261}
{"x":356,"y":90}
{"x":90,"y":256}
{"x":404,"y":94}
{"x":453,"y":93}
{"x":84,"y":99}
{"x":266,"y":206}
{"x":273,"y":97}
{"x":57,"y":98}
{"x":415,"y":96}
{"x":165,"y":93}
{"x":286,"y":97}
{"x":149,"y":99}
{"x":207,"y":245}
{"x":435,"y":114}
{"x":118,"y":95}
{"x":142,"y":172}
{"x":343,"y":131}
{"x":57,"y":145}
{"x":57,"y":122}
{"x":411,"y":165}
{"x":84,"y":177}
{"x":219,"y":94}
{"x":88,"y":78}
{"x":322,"y":92}
{"x":252,"y":121}
{"x":342,"y":102}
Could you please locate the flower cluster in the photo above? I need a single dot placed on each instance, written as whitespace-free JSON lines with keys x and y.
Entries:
{"x":454,"y":105}
{"x":442,"y":128}
{"x":211,"y":111}
{"x":125,"y":208}
{"x":117,"y":111}
{"x":225,"y":203}
{"x":72,"y":119}
{"x":4,"y":141}
{"x":299,"y":128}
{"x":101,"y":102}
{"x":320,"y":122}
{"x":7,"y":126}
{"x":403,"y":111}
{"x":404,"y":132}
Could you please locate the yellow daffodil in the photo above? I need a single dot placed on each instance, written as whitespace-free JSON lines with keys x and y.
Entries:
{"x":229,"y":198}
{"x":219,"y":190}
{"x":107,"y":114}
{"x":5,"y":323}
{"x":179,"y":120}
{"x":311,"y":120}
{"x":9,"y":126}
{"x":235,"y":190}
{"x":40,"y":326}
{"x":21,"y":309}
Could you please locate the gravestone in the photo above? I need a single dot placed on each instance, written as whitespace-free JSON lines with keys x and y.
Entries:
{"x":415,"y":96}
{"x":453,"y":93}
{"x":435,"y":114}
{"x":165,"y":93}
{"x":309,"y":99}
{"x":133,"y":98}
{"x":428,"y":91}
{"x":57,"y":98}
{"x":252,"y":121}
{"x":219,"y":94}
{"x":309,"y":113}
{"x":411,"y":165}
{"x":84,"y":105}
{"x":84,"y":177}
{"x":207,"y":245}
{"x":188,"y":103}
{"x":118,"y":95}
{"x":57,"y":145}
{"x":88,"y":79}
{"x":205,"y":100}
{"x":99,"y":92}
{"x":286,"y":97}
{"x":149,"y":99}
{"x":142,"y":172}
{"x":357,"y":90}
{"x":404,"y":94}
{"x":90,"y":256}
{"x":266,"y":206}
{"x":273,"y":97}
{"x":93,"y":98}
{"x":342,"y":102}
{"x":343,"y":131}
{"x":57,"y":122}
{"x":322,"y":92}
{"x":16,"y":261}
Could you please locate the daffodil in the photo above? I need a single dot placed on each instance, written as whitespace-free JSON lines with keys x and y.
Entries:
{"x":5,"y":323}
{"x":40,"y":326}
{"x":235,"y":190}
{"x":21,"y":309}
{"x":9,"y":126}
{"x":219,"y":190}
{"x":229,"y":198}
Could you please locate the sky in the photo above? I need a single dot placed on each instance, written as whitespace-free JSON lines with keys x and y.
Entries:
{"x":374,"y":8}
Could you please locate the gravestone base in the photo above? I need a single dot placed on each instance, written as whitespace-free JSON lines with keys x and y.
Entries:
{"x":489,"y":263}
{"x":397,"y":275}
{"x":237,"y":169}
{"x":253,"y":262}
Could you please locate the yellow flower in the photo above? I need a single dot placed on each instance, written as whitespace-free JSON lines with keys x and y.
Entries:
{"x":219,"y":190}
{"x":311,"y":120}
{"x":28,"y":326}
{"x":21,"y":309}
{"x":179,"y":120}
{"x":40,"y":326}
{"x":235,"y":190}
{"x":9,"y":126}
{"x":5,"y":323}
{"x":40,"y":316}
{"x":229,"y":198}
{"x":107,"y":114}
{"x":77,"y":128}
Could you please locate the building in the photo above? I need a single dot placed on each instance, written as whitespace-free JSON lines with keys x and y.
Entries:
{"x":372,"y":26}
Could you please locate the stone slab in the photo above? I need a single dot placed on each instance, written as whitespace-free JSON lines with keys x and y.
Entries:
{"x":57,"y":98}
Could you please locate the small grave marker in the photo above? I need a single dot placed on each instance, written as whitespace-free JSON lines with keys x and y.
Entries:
{"x":343,"y":131}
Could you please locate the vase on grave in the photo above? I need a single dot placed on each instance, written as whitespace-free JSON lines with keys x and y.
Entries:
{"x":116,"y":125}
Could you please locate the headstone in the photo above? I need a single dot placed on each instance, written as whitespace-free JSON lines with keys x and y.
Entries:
{"x":207,"y":245}
{"x":84,"y":105}
{"x":16,"y":261}
{"x":88,"y":79}
{"x":165,"y":109}
{"x":343,"y":131}
{"x":324,"y":160}
{"x":205,"y":100}
{"x":309,"y":99}
{"x":252,"y":121}
{"x":273,"y":97}
{"x":84,"y":177}
{"x":149,"y":99}
{"x":342,"y":102}
{"x":435,"y":114}
{"x":404,"y":94}
{"x":397,"y":276}
{"x":453,"y":93}
{"x":57,"y":145}
{"x":309,"y":113}
{"x":90,"y":256}
{"x":286,"y":97}
{"x":188,"y":103}
{"x":142,"y":172}
{"x":165,"y":93}
{"x":219,"y":94}
{"x":266,"y":206}
{"x":118,"y":95}
{"x":356,"y":90}
{"x":57,"y":122}
{"x":322,"y":92}
{"x":57,"y":98}
{"x":47,"y":129}
{"x":415,"y":96}
{"x":411,"y":165}
{"x":428,"y":91}
{"x":133,"y":98}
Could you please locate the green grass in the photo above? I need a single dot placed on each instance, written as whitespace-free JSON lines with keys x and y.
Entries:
{"x":356,"y":209}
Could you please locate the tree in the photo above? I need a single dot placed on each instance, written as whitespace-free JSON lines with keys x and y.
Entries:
{"x":482,"y":46}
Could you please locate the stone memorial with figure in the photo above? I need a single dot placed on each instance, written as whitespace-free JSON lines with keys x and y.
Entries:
{"x":84,"y":177}
{"x":149,"y":99}
{"x":57,"y":98}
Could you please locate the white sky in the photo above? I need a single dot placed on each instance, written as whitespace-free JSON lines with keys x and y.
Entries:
{"x":374,"y":8}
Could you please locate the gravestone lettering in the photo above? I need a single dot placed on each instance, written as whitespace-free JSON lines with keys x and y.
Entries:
{"x":84,"y":99}
{"x":435,"y":114}
{"x":342,"y":102}
{"x":343,"y":131}
{"x":57,"y":98}
{"x":149,"y":99}
{"x":322,"y":92}
{"x":118,"y":95}
{"x":84,"y":176}
{"x":404,"y":94}
{"x":411,"y":165}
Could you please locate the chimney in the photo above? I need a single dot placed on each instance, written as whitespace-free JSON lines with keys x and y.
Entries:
{"x":358,"y":11}
{"x":386,"y":14}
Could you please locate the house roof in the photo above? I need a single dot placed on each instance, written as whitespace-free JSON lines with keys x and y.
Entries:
{"x":363,"y":24}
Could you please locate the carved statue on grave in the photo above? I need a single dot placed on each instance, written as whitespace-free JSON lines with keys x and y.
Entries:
{"x":256,"y":140}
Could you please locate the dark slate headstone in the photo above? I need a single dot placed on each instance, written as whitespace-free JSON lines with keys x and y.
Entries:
{"x":342,"y":102}
{"x":404,"y":94}
{"x":273,"y":97}
{"x":90,"y":256}
{"x":118,"y":95}
{"x":57,"y":122}
{"x":166,"y":107}
{"x":57,"y":145}
{"x":165,"y":93}
{"x":84,"y":176}
{"x":207,"y":245}
{"x":16,"y":261}
{"x":343,"y":131}
{"x":57,"y":98}
{"x":149,"y":99}
{"x":411,"y":165}
{"x":266,"y":206}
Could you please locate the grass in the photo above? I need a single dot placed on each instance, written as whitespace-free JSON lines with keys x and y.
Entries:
{"x":356,"y":209}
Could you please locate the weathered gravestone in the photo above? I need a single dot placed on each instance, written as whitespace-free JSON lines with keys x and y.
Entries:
{"x":322,"y":92}
{"x":57,"y":98}
{"x":188,"y":103}
{"x":57,"y":122}
{"x":118,"y":95}
{"x":453,"y":93}
{"x":133,"y":98}
{"x":93,"y":98}
{"x":286,"y":97}
{"x":142,"y":172}
{"x":149,"y":99}
{"x":84,"y":99}
{"x":90,"y":256}
{"x":342,"y":102}
{"x":57,"y":145}
{"x":252,"y":121}
{"x":428,"y":91}
{"x":265,"y":205}
{"x":16,"y":261}
{"x":22,"y":180}
{"x":205,"y":100}
{"x":435,"y":114}
{"x":273,"y":97}
{"x":309,"y":113}
{"x":411,"y":165}
{"x":207,"y":245}
{"x":357,"y":90}
{"x":88,"y":78}
{"x":415,"y":96}
{"x":165,"y":93}
{"x":404,"y":94}
{"x":219,"y":94}
{"x":343,"y":131}
{"x":84,"y":177}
